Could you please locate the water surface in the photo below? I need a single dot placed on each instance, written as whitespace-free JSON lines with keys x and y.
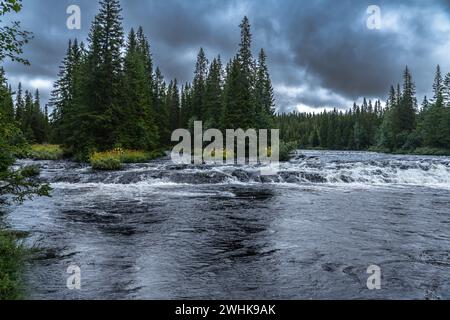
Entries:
{"x":165,"y":231}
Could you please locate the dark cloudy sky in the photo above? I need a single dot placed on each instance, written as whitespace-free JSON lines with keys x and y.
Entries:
{"x":321,"y":53}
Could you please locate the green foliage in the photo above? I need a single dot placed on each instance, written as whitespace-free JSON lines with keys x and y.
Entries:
{"x":353,"y":129}
{"x":106,"y":161}
{"x":137,"y":126}
{"x":286,"y":150}
{"x":12,"y":258}
{"x":45,"y":152}
{"x":432,"y":151}
{"x":12,"y":37}
{"x":400,"y":127}
{"x":114,"y":159}
{"x":101,"y":100}
{"x":17,"y":185}
{"x":134,"y":156}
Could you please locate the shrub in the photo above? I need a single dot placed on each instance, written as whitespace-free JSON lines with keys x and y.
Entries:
{"x":134,"y":156}
{"x":114,"y":159}
{"x":432,"y":151}
{"x":286,"y":150}
{"x":109,"y":160}
{"x":45,"y":152}
{"x":12,"y":257}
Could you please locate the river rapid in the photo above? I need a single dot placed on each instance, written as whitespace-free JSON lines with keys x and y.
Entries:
{"x":165,"y":231}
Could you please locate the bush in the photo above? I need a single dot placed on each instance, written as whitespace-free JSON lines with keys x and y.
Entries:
{"x":432,"y":151}
{"x":110,"y":160}
{"x":12,"y":257}
{"x":44,"y":152}
{"x":413,"y":141}
{"x":114,"y":159}
{"x":286,"y":150}
{"x":133,"y":156}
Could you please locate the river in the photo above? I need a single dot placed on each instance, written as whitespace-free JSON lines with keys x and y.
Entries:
{"x":165,"y":231}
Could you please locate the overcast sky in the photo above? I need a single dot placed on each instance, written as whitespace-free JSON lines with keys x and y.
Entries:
{"x":320,"y":53}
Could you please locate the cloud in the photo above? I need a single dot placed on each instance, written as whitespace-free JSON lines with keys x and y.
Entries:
{"x":320,"y":53}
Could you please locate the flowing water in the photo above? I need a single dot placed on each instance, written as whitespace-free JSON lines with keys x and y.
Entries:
{"x":164,"y":231}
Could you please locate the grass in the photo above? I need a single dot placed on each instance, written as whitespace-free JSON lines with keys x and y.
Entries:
{"x":41,"y":152}
{"x":431,"y":152}
{"x":114,"y":159}
{"x":134,"y":156}
{"x":107,"y":161}
{"x":12,"y":257}
{"x":423,"y":151}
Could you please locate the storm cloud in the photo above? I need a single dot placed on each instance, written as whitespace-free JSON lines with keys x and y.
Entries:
{"x":320,"y":53}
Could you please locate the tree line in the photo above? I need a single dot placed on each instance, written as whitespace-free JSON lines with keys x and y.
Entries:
{"x":400,"y":126}
{"x":15,"y":119}
{"x":109,"y":94}
{"x":25,"y":111}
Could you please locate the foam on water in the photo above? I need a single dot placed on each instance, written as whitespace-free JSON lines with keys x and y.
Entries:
{"x":307,"y":167}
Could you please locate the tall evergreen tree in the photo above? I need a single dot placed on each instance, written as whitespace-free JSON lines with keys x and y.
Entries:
{"x":20,"y":108}
{"x":63,"y":94}
{"x":186,"y":104}
{"x":160,"y":108}
{"x":102,"y":92}
{"x":137,"y":128}
{"x":213,"y":94}
{"x":264,"y":96}
{"x":6,"y":102}
{"x":199,"y":87}
{"x":408,"y":105}
{"x":446,"y":90}
{"x":173,"y":105}
{"x":245,"y":95}
{"x":438,"y":88}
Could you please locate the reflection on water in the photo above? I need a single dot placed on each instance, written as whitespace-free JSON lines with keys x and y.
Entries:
{"x":164,"y":231}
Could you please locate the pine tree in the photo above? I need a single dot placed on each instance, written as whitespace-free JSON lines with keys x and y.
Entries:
{"x":438,"y":88}
{"x":186,"y":105}
{"x":213,"y":94}
{"x":137,"y":128}
{"x":63,"y":95}
{"x":199,"y":87}
{"x":104,"y":79}
{"x":160,"y":108}
{"x":264,"y":96}
{"x":231,"y":116}
{"x":408,"y":105}
{"x":20,"y":108}
{"x":245,"y":95}
{"x":446,"y":90}
{"x":6,"y":102}
{"x":435,"y":127}
{"x":173,"y":105}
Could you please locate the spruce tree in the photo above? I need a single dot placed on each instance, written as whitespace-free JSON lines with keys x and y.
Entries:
{"x":137,"y":129}
{"x":245,"y":104}
{"x":104,"y":77}
{"x":446,"y":90}
{"x":186,"y":105}
{"x":173,"y":105}
{"x":199,"y":111}
{"x":264,"y":95}
{"x":438,"y":88}
{"x":408,"y":105}
{"x":213,"y":94}
{"x":20,"y":108}
{"x":160,"y":108}
{"x":63,"y":95}
{"x":6,"y":102}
